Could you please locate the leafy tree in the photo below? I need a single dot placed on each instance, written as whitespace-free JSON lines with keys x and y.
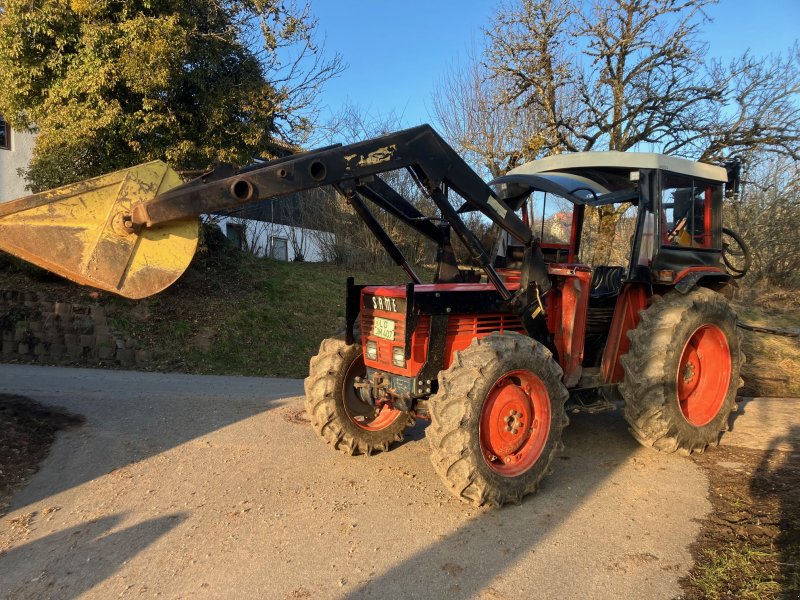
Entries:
{"x":111,"y":83}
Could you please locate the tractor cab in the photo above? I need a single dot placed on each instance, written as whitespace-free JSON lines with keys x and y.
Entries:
{"x":633,"y":220}
{"x":639,"y":217}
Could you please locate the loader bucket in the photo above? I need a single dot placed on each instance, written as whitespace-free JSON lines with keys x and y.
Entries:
{"x":77,"y":231}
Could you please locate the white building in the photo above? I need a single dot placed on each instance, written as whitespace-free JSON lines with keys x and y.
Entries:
{"x":258,"y":230}
{"x":282,"y":242}
{"x":280,"y":234}
{"x":16,"y":149}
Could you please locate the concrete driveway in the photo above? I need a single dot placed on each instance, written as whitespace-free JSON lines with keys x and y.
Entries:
{"x":185,"y":486}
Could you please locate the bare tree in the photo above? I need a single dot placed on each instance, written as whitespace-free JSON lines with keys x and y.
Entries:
{"x":530,"y":55}
{"x":563,"y":75}
{"x":472,"y":111}
{"x":767,"y":216}
{"x":759,"y":110}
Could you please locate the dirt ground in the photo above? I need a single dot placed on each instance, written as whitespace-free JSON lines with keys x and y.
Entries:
{"x":27,"y":430}
{"x":214,"y":487}
{"x":748,"y":547}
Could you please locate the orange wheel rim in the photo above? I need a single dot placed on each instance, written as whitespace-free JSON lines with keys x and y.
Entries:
{"x":515,"y":423}
{"x":361,"y":414}
{"x":704,"y":375}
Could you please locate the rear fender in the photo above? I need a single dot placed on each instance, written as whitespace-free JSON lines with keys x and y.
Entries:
{"x":686,"y":280}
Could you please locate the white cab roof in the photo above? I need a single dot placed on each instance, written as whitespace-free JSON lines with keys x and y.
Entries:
{"x":622,"y":160}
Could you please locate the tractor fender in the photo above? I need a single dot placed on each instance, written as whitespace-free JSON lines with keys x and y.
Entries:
{"x":688,"y":279}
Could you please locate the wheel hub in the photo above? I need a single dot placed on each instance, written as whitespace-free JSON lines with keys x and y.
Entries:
{"x":358,"y":403}
{"x":513,"y":422}
{"x":688,"y":372}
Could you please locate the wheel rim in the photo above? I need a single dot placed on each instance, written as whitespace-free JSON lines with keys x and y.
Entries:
{"x":704,"y":373}
{"x":515,"y":423}
{"x":361,"y":414}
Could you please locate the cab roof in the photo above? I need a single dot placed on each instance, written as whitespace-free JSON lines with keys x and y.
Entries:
{"x":613,"y":160}
{"x":596,"y":178}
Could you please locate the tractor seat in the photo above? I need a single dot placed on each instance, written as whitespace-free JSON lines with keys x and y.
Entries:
{"x":512,"y":260}
{"x":606,"y":281}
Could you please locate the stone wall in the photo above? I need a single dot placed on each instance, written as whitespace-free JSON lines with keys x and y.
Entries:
{"x":36,"y":329}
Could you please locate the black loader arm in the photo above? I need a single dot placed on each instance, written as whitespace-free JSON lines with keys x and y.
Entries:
{"x":354,"y":170}
{"x":420,"y":149}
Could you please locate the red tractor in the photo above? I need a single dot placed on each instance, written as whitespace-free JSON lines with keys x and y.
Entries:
{"x":492,"y":363}
{"x":490,"y":354}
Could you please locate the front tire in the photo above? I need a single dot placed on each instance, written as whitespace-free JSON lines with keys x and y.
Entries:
{"x":335,"y":410}
{"x":682,"y":371}
{"x":497,"y":419}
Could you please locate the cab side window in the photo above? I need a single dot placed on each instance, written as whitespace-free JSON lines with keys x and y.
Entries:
{"x":686,"y":211}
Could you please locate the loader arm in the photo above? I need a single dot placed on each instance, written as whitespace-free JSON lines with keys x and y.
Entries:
{"x":353,"y":170}
{"x":419,"y":148}
{"x":147,"y":208}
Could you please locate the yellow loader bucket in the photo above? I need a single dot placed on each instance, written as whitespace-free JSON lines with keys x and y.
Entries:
{"x":76,"y":231}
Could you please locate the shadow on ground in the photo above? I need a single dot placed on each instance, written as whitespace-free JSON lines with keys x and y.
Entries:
{"x":131,"y":416}
{"x":779,"y":477}
{"x":469,"y":562}
{"x":97,"y":550}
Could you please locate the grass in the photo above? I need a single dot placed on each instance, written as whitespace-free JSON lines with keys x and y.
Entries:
{"x":231,"y":313}
{"x":241,"y":315}
{"x":735,"y":571}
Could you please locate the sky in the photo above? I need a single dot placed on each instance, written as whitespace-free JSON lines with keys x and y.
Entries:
{"x":396,"y":50}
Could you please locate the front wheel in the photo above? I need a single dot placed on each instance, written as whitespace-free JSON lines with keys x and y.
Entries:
{"x":337,"y":413}
{"x":496,"y":421}
{"x":682,"y":371}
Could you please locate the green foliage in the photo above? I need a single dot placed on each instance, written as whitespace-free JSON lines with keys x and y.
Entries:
{"x":108,"y":84}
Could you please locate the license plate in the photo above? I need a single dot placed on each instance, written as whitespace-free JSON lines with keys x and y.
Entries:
{"x":383,"y":328}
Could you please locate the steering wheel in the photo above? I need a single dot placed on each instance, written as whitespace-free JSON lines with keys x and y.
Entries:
{"x":735,"y":253}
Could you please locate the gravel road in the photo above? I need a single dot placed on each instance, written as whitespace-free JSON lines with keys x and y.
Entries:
{"x":185,"y":486}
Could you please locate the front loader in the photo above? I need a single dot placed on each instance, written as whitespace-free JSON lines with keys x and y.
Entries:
{"x":494,"y":357}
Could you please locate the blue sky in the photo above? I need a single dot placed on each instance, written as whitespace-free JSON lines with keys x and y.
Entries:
{"x":397,"y":50}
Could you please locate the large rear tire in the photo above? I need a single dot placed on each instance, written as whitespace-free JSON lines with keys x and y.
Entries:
{"x":335,"y":410}
{"x":497,"y":418}
{"x":682,"y":371}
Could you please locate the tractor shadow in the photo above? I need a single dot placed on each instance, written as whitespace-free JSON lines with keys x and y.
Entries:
{"x":778,"y":476}
{"x":131,"y":416}
{"x":583,"y":492}
{"x":97,"y":550}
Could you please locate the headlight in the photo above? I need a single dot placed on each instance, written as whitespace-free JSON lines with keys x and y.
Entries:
{"x":398,"y":357}
{"x":372,"y":350}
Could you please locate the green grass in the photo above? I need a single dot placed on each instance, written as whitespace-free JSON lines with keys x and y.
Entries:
{"x":735,"y":571}
{"x":236,"y":314}
{"x":230,"y":313}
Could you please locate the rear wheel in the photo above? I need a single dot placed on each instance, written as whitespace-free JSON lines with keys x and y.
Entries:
{"x":496,"y":421}
{"x":682,"y":371}
{"x":337,"y":413}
